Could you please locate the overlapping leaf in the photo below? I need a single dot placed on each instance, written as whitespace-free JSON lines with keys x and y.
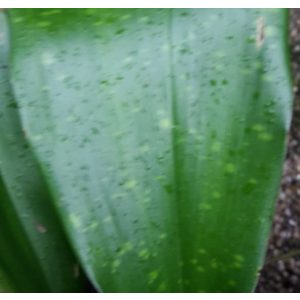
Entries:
{"x":35,"y":254}
{"x":161,"y":134}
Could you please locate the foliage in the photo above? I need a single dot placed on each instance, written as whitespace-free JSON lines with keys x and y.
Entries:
{"x":157,"y":135}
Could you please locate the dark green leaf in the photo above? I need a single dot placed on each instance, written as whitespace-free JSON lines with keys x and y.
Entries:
{"x":161,"y":134}
{"x":34,"y":252}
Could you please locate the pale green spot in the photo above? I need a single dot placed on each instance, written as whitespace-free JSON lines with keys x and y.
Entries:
{"x":144,"y":254}
{"x":89,"y":11}
{"x":142,"y":243}
{"x":165,"y":123}
{"x":199,"y":138}
{"x":126,"y":247}
{"x":258,"y":65}
{"x":126,"y":17}
{"x":48,"y":59}
{"x":200,"y":269}
{"x":273,"y":46}
{"x":202,"y":251}
{"x":239,"y":258}
{"x":215,"y":147}
{"x":264,"y":136}
{"x":75,"y":220}
{"x":152,"y":276}
{"x":98,"y":23}
{"x":253,"y":181}
{"x":258,"y":127}
{"x":37,"y":137}
{"x":237,"y":265}
{"x":115,"y":264}
{"x":218,"y":67}
{"x":192,"y":131}
{"x":107,"y":219}
{"x":230,"y":168}
{"x":160,"y":112}
{"x":61,"y":77}
{"x":43,"y":24}
{"x":191,"y":36}
{"x":162,"y":236}
{"x":45,"y":88}
{"x":214,"y":264}
{"x":231,"y":282}
{"x":270,"y":31}
{"x":194,"y":261}
{"x":118,"y":134}
{"x":205,"y":206}
{"x":144,"y":149}
{"x":117,"y":195}
{"x":147,"y":63}
{"x":136,"y":110}
{"x":144,"y":19}
{"x":267,"y":78}
{"x":104,"y":179}
{"x":246,"y":71}
{"x":130,"y":184}
{"x":216,"y":195}
{"x":160,"y":178}
{"x":17,"y":20}
{"x":162,"y":287}
{"x":220,"y":54}
{"x":128,"y":59}
{"x":165,"y":48}
{"x":93,"y":225}
{"x":146,"y":200}
{"x":189,"y":88}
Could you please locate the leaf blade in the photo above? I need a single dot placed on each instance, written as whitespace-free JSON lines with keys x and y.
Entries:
{"x":33,"y":246}
{"x":109,"y":76}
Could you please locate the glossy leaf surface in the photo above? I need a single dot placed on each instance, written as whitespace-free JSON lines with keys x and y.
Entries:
{"x":161,"y":134}
{"x":34,"y":252}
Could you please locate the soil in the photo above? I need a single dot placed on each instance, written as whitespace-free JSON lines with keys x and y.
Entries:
{"x":281,"y":272}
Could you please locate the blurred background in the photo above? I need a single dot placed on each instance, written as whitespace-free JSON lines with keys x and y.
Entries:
{"x":281,"y":272}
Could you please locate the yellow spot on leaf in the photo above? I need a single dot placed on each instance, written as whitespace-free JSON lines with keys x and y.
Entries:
{"x":162,"y":287}
{"x":48,"y":59}
{"x":107,"y":219}
{"x":75,"y":220}
{"x":115,"y":264}
{"x":205,"y":206}
{"x":200,"y":269}
{"x":144,"y":149}
{"x":152,"y":276}
{"x":144,"y":254}
{"x":258,"y":127}
{"x":165,"y":123}
{"x":230,"y":168}
{"x":216,"y":195}
{"x":264,"y":136}
{"x":231,"y":283}
{"x":130,"y":184}
{"x":216,"y":147}
{"x":202,"y":251}
{"x":162,"y":236}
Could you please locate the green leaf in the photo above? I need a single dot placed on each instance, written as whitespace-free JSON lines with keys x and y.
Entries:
{"x":161,"y":134}
{"x":5,"y":284}
{"x":35,"y":254}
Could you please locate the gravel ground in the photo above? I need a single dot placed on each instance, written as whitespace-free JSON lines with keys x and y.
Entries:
{"x":281,"y":272}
